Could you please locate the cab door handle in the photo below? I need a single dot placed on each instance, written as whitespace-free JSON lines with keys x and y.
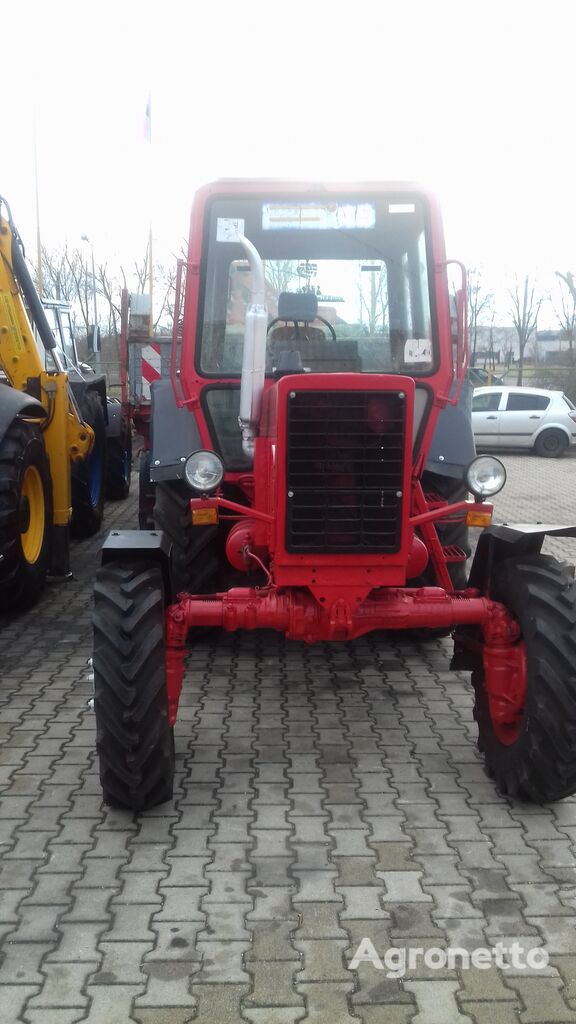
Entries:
{"x":535,"y":417}
{"x":491,"y":417}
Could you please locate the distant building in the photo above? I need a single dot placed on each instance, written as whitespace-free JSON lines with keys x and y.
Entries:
{"x":543,"y":347}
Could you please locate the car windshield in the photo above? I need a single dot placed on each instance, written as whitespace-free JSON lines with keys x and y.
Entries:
{"x":360,"y":263}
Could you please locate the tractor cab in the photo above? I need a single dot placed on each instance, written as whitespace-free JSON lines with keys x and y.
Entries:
{"x":345,"y":282}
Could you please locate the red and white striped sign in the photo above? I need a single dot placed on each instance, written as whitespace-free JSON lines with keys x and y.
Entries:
{"x":151,"y":367}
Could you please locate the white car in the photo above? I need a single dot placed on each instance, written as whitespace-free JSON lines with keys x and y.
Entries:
{"x":508,"y":417}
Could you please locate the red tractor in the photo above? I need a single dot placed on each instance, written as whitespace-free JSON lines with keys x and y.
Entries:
{"x":290,"y":456}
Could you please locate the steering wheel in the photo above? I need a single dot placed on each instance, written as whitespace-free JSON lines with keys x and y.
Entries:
{"x":278,"y":320}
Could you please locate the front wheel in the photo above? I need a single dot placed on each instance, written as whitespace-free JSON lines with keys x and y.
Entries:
{"x":530,"y":750}
{"x":25,"y":516}
{"x":194,"y":558}
{"x":135,"y":743}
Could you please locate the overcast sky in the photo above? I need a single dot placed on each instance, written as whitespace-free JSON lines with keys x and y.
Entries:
{"x":474,"y":99}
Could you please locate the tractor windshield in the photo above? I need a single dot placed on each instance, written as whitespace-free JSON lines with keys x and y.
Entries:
{"x":357,"y":266}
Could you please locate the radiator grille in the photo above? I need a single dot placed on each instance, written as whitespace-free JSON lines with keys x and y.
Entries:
{"x":344,"y":471}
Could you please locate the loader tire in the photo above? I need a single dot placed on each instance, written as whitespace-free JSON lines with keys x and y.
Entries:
{"x":134,"y":741}
{"x":194,"y":560}
{"x":146,"y":493}
{"x":534,"y":757}
{"x":25,"y":516}
{"x":89,"y":474}
{"x":119,"y":464}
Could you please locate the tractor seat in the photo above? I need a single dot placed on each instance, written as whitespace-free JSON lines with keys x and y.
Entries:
{"x":297,"y":310}
{"x":316,"y":349}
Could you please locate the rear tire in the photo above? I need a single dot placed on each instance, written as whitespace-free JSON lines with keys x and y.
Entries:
{"x":194,"y":559}
{"x":89,"y":474}
{"x":25,"y":516}
{"x":135,"y":743}
{"x":540,"y":763}
{"x":119,"y":464}
{"x":551,"y":444}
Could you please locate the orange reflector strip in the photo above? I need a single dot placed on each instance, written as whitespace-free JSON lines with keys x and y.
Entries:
{"x":474,"y":518}
{"x":204,"y":516}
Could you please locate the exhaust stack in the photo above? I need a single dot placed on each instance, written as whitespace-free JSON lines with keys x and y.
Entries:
{"x":254,"y":355}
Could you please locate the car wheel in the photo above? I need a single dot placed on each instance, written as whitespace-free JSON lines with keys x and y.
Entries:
{"x":551,"y":444}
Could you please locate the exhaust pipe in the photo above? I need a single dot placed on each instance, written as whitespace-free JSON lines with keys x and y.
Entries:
{"x":254,"y":354}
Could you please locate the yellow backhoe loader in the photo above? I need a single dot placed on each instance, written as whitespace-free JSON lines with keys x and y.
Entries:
{"x":42,"y":433}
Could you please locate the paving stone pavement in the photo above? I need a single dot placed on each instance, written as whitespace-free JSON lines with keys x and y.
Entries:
{"x":325,"y":795}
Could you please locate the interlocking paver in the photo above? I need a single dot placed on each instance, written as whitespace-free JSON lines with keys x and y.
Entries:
{"x":542,"y":1000}
{"x":14,"y":999}
{"x":437,"y":1003}
{"x":327,"y":1002}
{"x":22,"y":964}
{"x":110,"y":1004}
{"x":60,"y":1016}
{"x":63,"y":986}
{"x":218,"y":1003}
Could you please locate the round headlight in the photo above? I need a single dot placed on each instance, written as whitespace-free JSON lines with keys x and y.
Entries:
{"x":485,"y":476}
{"x":204,"y":471}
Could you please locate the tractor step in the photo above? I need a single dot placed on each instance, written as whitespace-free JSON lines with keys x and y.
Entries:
{"x":452,"y":553}
{"x":434,"y":500}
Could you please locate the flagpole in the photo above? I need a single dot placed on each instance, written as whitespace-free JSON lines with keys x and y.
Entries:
{"x":151,"y":278}
{"x":148,"y":136}
{"x":40,"y":284}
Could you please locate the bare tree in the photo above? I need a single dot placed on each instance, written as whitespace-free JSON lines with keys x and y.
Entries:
{"x":141,"y":270}
{"x":167,"y":278}
{"x":375,"y":303}
{"x":567,"y":312}
{"x":67,"y":276}
{"x":280,"y":273}
{"x":524,"y":311}
{"x":58,"y":281}
{"x":110,"y":291}
{"x":81,"y":275}
{"x":480,"y":303}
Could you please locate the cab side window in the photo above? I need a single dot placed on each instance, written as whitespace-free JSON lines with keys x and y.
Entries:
{"x":487,"y":402}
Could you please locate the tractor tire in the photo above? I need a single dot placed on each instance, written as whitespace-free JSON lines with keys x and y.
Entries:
{"x":89,"y":474}
{"x":536,"y":758}
{"x":134,"y":741}
{"x":25,"y":516}
{"x":146,"y":493}
{"x":119,"y":464}
{"x":194,"y":560}
{"x":551,"y":444}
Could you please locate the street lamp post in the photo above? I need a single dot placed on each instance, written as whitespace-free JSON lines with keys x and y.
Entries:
{"x":95,"y":346}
